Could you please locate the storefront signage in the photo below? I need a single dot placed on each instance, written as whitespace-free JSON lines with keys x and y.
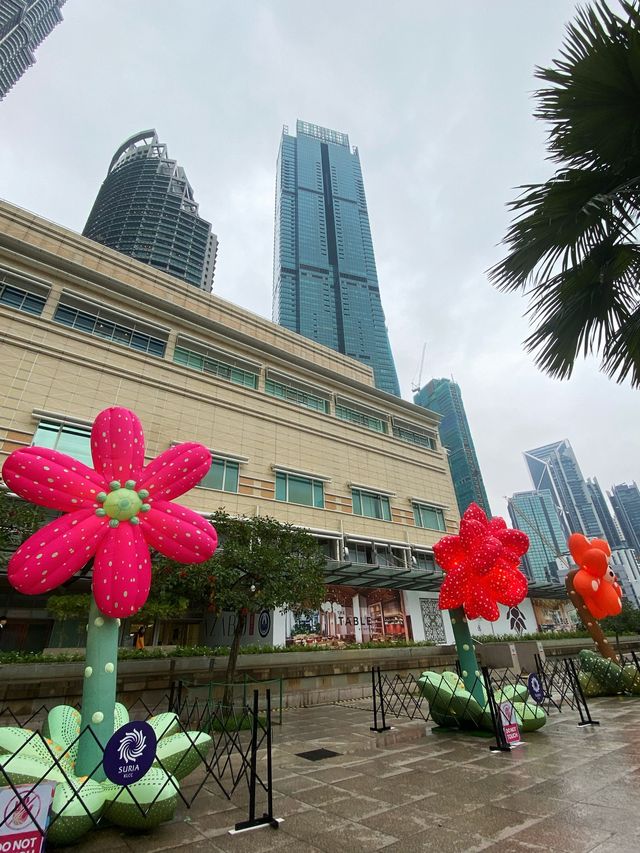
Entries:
{"x":129,"y":753}
{"x":24,"y":816}
{"x":509,"y":723}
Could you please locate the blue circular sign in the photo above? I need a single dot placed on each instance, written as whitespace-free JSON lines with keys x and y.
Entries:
{"x":264,"y":623}
{"x":534,"y":686}
{"x":129,"y":753}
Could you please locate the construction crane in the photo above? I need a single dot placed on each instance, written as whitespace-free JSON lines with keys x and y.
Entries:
{"x":416,"y":386}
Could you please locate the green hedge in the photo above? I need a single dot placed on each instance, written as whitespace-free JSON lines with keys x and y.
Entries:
{"x":196,"y":651}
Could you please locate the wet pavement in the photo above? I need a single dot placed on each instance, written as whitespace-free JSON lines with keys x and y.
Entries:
{"x":568,"y":789}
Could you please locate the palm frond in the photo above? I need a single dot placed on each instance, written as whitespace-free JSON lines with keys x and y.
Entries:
{"x":584,"y":308}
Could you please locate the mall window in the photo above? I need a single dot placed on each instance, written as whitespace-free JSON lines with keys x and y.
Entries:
{"x":16,"y":297}
{"x":360,"y":416}
{"x":294,"y":392}
{"x":371,"y":504}
{"x":223,"y":365}
{"x":414,"y":434}
{"x":103,"y":323}
{"x":67,"y":438}
{"x":223,"y":475}
{"x":431,"y":517}
{"x":296,"y":489}
{"x":423,"y":560}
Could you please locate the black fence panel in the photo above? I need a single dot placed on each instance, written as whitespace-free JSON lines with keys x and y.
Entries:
{"x":237,"y":756}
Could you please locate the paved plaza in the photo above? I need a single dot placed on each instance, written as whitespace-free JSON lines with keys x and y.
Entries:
{"x":568,"y":790}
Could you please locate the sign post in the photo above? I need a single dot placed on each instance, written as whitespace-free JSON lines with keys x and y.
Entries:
{"x":24,"y":816}
{"x":509,"y":723}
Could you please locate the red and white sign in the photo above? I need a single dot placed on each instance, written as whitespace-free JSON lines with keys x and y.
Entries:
{"x":509,"y":723}
{"x":24,"y":815}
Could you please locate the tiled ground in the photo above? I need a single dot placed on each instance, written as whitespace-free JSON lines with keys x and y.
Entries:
{"x":567,"y":790}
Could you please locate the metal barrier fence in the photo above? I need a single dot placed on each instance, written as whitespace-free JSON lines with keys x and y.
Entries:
{"x":237,"y":756}
{"x":213,"y":692}
{"x":441,"y":698}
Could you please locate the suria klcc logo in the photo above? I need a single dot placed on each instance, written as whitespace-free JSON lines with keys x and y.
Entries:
{"x":132,"y":746}
{"x":129,"y":753}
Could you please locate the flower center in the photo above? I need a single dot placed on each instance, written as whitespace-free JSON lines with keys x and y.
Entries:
{"x":122,"y":504}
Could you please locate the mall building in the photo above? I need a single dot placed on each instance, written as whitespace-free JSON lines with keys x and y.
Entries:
{"x":296,"y":431}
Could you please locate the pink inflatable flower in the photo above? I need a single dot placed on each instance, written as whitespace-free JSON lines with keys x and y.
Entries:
{"x":114,"y":513}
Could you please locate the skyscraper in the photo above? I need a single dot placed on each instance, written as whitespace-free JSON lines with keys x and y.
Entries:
{"x":24,"y":24}
{"x":611,"y":532}
{"x":625,"y":500}
{"x":554,"y":467}
{"x":145,"y":209}
{"x":443,"y":396}
{"x":535,"y":514}
{"x":325,"y":284}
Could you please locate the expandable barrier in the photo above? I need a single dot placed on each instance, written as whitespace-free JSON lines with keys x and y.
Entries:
{"x":239,"y":755}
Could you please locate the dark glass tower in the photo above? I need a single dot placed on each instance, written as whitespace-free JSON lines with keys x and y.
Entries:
{"x":24,"y":24}
{"x":535,"y":514}
{"x":625,"y":500}
{"x":325,"y":284}
{"x":145,"y":209}
{"x":555,"y":467}
{"x":611,"y":533}
{"x":443,"y":396}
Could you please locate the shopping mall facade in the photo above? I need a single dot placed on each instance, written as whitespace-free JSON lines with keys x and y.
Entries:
{"x":296,"y":431}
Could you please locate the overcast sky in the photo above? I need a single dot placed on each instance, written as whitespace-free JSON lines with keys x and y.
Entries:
{"x":436,"y":96}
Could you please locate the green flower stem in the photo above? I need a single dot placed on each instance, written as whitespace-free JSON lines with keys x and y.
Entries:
{"x":465,"y":648}
{"x":98,"y":693}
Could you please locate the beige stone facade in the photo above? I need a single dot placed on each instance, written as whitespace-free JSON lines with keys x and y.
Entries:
{"x":60,"y":374}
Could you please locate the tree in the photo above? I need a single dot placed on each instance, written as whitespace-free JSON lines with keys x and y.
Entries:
{"x":262,"y":564}
{"x":18,"y":521}
{"x":626,"y":622}
{"x":572,"y":244}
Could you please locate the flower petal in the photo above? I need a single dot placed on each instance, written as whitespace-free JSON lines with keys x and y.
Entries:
{"x":449,"y":552}
{"x":117,"y":444}
{"x":508,"y":586}
{"x":49,"y":478}
{"x":479,"y":602}
{"x":56,"y":552}
{"x":176,"y":470}
{"x":122,"y":572}
{"x":179,"y":533}
{"x":452,"y":590}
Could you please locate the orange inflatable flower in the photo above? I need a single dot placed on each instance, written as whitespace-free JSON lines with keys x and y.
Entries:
{"x":594,"y":580}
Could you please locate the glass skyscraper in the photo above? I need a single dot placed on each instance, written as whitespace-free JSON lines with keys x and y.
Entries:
{"x":325,"y":284}
{"x":611,"y":532}
{"x":443,"y":396}
{"x":145,"y":209}
{"x":24,"y":24}
{"x":535,"y":514}
{"x":555,"y":468}
{"x":625,"y":500}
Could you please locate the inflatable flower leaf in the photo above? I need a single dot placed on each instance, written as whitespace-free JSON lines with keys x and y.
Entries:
{"x":481,"y":565}
{"x":113,"y":513}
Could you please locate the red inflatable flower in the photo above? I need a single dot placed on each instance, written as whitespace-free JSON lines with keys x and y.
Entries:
{"x":113,"y":513}
{"x":482,"y":566}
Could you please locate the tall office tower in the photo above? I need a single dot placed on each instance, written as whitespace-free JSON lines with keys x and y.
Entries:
{"x":325,"y":284}
{"x":611,"y":532}
{"x":24,"y":25}
{"x":443,"y":396}
{"x":145,"y":209}
{"x":625,"y":500}
{"x":555,"y":467}
{"x":535,"y":514}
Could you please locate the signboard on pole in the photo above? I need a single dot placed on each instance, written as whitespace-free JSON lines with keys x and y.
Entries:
{"x":24,"y":816}
{"x":509,"y":723}
{"x":534,"y":686}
